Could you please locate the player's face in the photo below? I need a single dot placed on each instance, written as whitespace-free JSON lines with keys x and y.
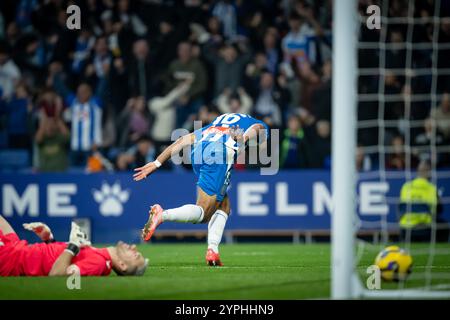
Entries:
{"x":130,"y":255}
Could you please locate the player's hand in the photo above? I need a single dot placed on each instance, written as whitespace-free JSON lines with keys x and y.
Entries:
{"x":40,"y":229}
{"x":143,"y":172}
{"x":78,"y":237}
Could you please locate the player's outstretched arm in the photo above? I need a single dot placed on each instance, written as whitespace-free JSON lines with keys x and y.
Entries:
{"x":243,"y":138}
{"x":41,"y":230}
{"x":174,"y":148}
{"x":253,"y":132}
{"x":63,"y":264}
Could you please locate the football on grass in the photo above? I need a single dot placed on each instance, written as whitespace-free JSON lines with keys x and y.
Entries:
{"x":395,"y":263}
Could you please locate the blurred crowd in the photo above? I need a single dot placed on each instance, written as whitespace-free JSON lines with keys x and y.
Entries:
{"x":108,"y":96}
{"x":408,"y":94}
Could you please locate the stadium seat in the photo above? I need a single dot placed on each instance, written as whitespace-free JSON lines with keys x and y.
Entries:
{"x":14,"y":160}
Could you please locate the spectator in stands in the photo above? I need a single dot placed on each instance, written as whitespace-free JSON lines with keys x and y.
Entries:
{"x":271,"y":50}
{"x":430,"y":136}
{"x":9,"y":72}
{"x":109,"y":131}
{"x":214,"y":28}
{"x":50,"y":103}
{"x":293,"y":84}
{"x":254,"y":70}
{"x":164,"y":109}
{"x":12,"y":34}
{"x":396,"y":158}
{"x":84,"y":44}
{"x":256,"y":27}
{"x":130,"y":19}
{"x":59,"y":37}
{"x":205,"y":115}
{"x":392,"y":86}
{"x":137,"y":156}
{"x":298,"y":42}
{"x":17,"y":110}
{"x":85,"y":115}
{"x":111,"y":28}
{"x":225,"y":11}
{"x":185,"y":67}
{"x":46,"y":16}
{"x":100,"y":63}
{"x":32,"y":54}
{"x":167,"y":37}
{"x":234,"y":102}
{"x":141,"y":70}
{"x":321,"y":96}
{"x":396,"y":55}
{"x":363,"y":161}
{"x":270,"y":100}
{"x":117,"y":88}
{"x":441,"y":115}
{"x":24,"y":12}
{"x":319,"y":137}
{"x":398,"y":8}
{"x":111,"y":52}
{"x":134,"y":121}
{"x":228,"y":65}
{"x":294,"y":149}
{"x":52,"y":139}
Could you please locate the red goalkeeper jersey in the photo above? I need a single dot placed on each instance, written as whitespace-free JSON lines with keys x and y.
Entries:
{"x":18,"y":258}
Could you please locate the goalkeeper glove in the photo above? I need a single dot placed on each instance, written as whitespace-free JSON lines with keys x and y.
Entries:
{"x":41,"y":230}
{"x":77,"y":240}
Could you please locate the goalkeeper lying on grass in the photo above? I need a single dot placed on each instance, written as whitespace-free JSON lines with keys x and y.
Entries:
{"x":51,"y":258}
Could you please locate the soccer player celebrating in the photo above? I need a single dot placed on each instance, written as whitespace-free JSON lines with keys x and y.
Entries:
{"x":51,"y":258}
{"x":215,"y":148}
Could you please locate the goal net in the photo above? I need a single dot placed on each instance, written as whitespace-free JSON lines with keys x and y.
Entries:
{"x":390,"y":100}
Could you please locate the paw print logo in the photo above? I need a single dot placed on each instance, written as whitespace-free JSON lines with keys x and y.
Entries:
{"x":111,"y":199}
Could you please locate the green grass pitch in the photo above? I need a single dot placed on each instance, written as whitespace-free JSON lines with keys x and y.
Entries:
{"x":251,"y":271}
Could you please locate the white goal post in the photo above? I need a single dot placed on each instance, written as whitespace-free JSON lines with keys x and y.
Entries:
{"x":344,"y":101}
{"x":345,"y":281}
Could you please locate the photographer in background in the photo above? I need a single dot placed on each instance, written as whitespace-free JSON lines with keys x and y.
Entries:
{"x":18,"y":115}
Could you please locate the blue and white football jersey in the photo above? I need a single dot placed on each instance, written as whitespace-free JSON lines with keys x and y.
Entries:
{"x":217,"y":131}
{"x":86,"y":120}
{"x":215,"y":151}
